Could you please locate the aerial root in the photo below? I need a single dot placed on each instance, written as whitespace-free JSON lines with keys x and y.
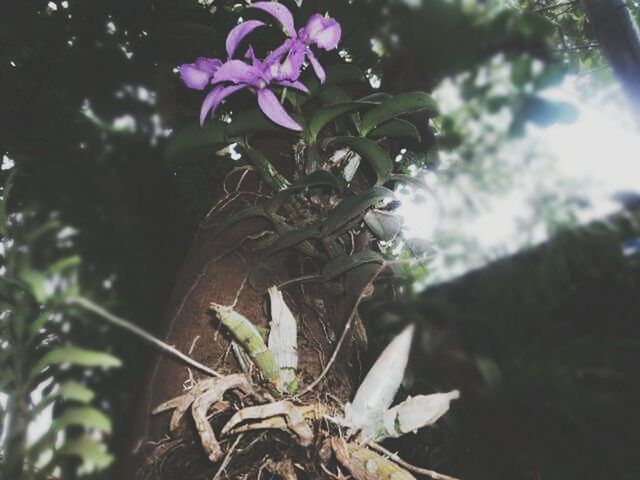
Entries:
{"x":201,"y":398}
{"x":283,"y":415}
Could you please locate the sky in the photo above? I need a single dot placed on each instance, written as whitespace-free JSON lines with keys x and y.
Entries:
{"x":590,"y":159}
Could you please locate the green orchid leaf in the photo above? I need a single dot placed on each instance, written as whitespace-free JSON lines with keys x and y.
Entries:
{"x":399,"y":105}
{"x":377,"y":157}
{"x":336,"y":74}
{"x":314,"y":179}
{"x":395,"y":128}
{"x":326,"y":114}
{"x":193,"y":139}
{"x":239,"y":216}
{"x":352,"y":207}
{"x":343,"y":264}
{"x":332,"y":95}
{"x":291,"y":238}
{"x":378,"y":97}
{"x":253,"y":121}
{"x":267,"y":172}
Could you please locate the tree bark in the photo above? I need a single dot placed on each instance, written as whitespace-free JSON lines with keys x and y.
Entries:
{"x":619,"y":39}
{"x":226,"y":268}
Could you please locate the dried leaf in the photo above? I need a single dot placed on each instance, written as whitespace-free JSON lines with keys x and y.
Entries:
{"x":283,"y":340}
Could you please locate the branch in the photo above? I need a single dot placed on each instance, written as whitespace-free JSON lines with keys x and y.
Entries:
{"x":142,"y":334}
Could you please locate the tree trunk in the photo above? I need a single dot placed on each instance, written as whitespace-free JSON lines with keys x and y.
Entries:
{"x":619,"y":39}
{"x":225,"y":269}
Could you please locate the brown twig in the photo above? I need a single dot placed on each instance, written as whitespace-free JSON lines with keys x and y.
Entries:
{"x":227,"y":458}
{"x":345,"y":332}
{"x":408,"y":466}
{"x":144,"y":335}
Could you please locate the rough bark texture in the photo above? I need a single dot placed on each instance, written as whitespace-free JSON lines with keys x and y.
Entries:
{"x":620,"y":41}
{"x":214,"y":271}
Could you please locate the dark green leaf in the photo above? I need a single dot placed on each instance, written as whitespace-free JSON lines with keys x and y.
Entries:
{"x":317,"y":178}
{"x":340,"y":265}
{"x":267,"y":172}
{"x":291,"y":238}
{"x":399,"y":105}
{"x":253,"y":121}
{"x":324,"y":115}
{"x":352,"y":207}
{"x":395,"y":128}
{"x":194,"y":138}
{"x":239,"y":216}
{"x":377,"y":157}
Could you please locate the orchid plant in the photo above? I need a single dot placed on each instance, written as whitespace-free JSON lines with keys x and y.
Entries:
{"x":281,"y":68}
{"x":331,"y":137}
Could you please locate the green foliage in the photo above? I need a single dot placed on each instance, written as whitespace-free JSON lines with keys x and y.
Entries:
{"x":41,"y":371}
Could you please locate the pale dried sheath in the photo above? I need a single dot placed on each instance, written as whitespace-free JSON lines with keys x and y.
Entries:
{"x":283,"y":340}
{"x":385,"y":225}
{"x":415,"y":413}
{"x":381,"y":384}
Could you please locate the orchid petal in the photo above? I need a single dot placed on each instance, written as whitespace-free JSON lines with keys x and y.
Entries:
{"x":209,"y":65}
{"x":324,"y":32}
{"x":296,"y":85}
{"x":193,"y":77}
{"x":315,"y":64}
{"x":272,"y":108}
{"x":238,"y":33}
{"x":237,"y":71}
{"x":280,"y":13}
{"x":215,"y":97}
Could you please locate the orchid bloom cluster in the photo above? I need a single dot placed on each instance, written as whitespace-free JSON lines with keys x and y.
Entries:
{"x":281,"y":67}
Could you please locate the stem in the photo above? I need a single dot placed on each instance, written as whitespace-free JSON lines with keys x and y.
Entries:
{"x":142,"y":334}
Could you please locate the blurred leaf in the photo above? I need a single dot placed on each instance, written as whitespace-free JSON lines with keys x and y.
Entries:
{"x":6,"y":191}
{"x":87,"y":417}
{"x":76,"y":391}
{"x":75,"y":356}
{"x":94,"y":455}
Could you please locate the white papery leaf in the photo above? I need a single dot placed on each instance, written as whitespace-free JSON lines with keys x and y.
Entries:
{"x":283,"y":339}
{"x":385,"y":225}
{"x":377,"y":390}
{"x":414,"y":413}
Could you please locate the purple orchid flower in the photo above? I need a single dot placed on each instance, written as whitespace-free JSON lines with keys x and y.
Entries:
{"x":320,"y":31}
{"x":280,"y":68}
{"x":258,"y":76}
{"x":199,"y":74}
